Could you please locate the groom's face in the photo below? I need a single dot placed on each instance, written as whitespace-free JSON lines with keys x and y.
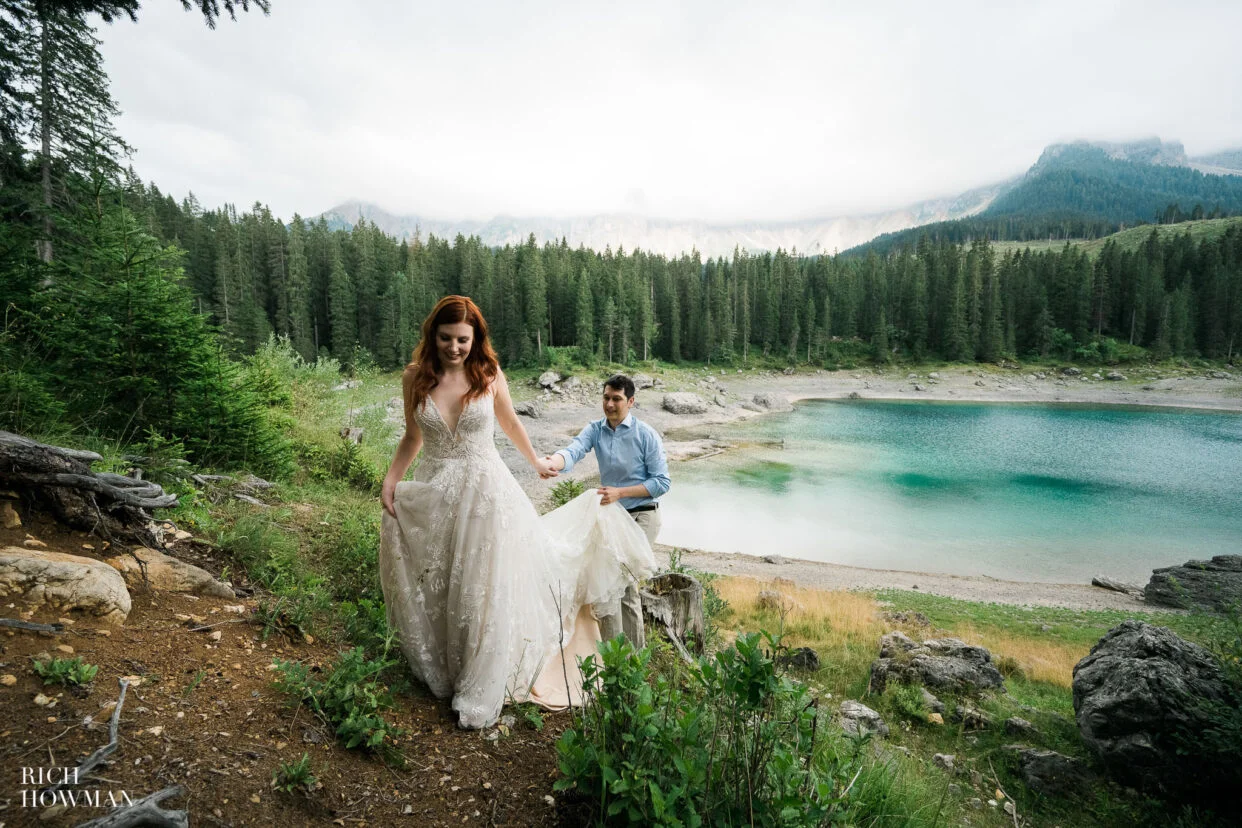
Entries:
{"x":616,"y":405}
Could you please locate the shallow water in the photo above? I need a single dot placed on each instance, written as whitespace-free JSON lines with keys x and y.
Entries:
{"x":1045,"y":493}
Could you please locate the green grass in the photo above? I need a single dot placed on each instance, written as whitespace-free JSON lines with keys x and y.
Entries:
{"x":1129,"y":239}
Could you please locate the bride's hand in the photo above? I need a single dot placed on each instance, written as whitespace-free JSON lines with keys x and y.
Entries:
{"x":545,"y":468}
{"x":387,"y":493}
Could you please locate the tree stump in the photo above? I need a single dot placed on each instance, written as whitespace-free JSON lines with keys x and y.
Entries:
{"x":674,"y":602}
{"x":61,"y":481}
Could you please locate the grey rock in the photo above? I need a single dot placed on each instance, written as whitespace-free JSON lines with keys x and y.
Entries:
{"x":345,"y":386}
{"x":779,"y":560}
{"x":529,"y":408}
{"x":720,"y":401}
{"x":684,"y":402}
{"x":573,"y":382}
{"x":1142,"y":697}
{"x":548,"y":379}
{"x":975,"y":802}
{"x":1115,"y":376}
{"x":1221,"y":375}
{"x":918,"y":387}
{"x":1213,"y":584}
{"x":854,"y":395}
{"x":944,"y":760}
{"x":642,"y":381}
{"x":1071,"y":371}
{"x":771,"y":402}
{"x":932,"y":703}
{"x":803,"y":658}
{"x":857,"y":719}
{"x":353,"y":434}
{"x":1018,"y":726}
{"x":971,"y":718}
{"x":947,"y":663}
{"x":1049,"y":773}
{"x":788,"y":371}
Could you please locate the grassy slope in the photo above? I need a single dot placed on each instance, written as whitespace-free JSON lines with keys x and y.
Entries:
{"x":1036,"y":649}
{"x":1130,"y":239}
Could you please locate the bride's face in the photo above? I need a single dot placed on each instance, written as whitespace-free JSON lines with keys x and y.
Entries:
{"x":453,"y":344}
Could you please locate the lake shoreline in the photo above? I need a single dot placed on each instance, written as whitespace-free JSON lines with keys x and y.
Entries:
{"x":731,"y":397}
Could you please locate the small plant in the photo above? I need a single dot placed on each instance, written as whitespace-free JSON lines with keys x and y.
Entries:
{"x":69,"y":672}
{"x":194,"y":682}
{"x":349,"y":699}
{"x":566,"y":491}
{"x":294,"y":776}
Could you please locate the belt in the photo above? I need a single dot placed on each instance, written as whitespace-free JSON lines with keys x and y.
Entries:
{"x":646,"y":507}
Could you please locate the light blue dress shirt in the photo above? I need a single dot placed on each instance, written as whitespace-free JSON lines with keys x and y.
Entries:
{"x":629,"y":455}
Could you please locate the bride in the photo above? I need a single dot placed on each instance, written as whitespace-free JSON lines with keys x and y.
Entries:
{"x":491,"y":602}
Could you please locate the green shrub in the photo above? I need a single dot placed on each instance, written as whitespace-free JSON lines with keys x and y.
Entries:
{"x":68,"y":672}
{"x":349,"y":699}
{"x":729,"y":742}
{"x":566,"y":491}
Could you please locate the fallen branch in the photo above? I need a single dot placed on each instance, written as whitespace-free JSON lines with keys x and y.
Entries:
{"x":102,"y":753}
{"x":146,"y":812}
{"x":30,"y":625}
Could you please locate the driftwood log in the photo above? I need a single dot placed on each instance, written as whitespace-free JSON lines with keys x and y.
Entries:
{"x":61,"y":481}
{"x":145,"y":811}
{"x":674,"y":602}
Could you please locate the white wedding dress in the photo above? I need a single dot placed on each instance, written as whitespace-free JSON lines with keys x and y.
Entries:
{"x":481,"y":590}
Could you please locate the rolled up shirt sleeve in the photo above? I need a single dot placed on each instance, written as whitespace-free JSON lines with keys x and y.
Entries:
{"x":657,"y":482}
{"x":578,"y":448}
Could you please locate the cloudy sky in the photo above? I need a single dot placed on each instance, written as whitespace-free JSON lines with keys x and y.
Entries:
{"x":718,"y":110}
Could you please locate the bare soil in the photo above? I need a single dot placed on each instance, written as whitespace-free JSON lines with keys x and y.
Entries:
{"x":225,"y":728}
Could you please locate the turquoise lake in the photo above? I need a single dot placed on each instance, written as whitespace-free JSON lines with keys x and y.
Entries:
{"x":1023,"y":492}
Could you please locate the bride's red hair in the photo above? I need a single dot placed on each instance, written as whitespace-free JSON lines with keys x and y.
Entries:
{"x":423,"y":372}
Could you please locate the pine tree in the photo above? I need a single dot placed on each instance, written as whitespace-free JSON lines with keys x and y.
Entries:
{"x":298,"y":303}
{"x":68,"y":109}
{"x":585,"y":322}
{"x":342,"y":308}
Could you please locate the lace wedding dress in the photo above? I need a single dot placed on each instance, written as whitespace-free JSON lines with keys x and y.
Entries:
{"x":481,"y":590}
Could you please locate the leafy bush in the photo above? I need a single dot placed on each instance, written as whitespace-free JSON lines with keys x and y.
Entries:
{"x":729,"y":742}
{"x":349,"y":699}
{"x":69,"y":672}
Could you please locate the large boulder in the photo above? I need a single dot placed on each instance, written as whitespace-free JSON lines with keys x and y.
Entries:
{"x":166,"y":573}
{"x":548,"y":379}
{"x":684,"y":402}
{"x":63,"y":583}
{"x":768,"y":401}
{"x":1050,"y":773}
{"x":1143,"y":698}
{"x":1214,"y":584}
{"x":642,"y":381}
{"x":945,"y":663}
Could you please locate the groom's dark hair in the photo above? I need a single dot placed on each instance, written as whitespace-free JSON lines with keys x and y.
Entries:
{"x":622,"y":383}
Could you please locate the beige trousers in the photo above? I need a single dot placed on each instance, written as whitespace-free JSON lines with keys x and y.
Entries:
{"x":626,"y":614}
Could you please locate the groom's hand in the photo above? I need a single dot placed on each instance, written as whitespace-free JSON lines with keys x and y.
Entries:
{"x":609,"y":495}
{"x":546,"y":469}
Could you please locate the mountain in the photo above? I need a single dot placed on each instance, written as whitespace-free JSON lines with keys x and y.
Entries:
{"x":1077,"y":189}
{"x":673,"y":237}
{"x":1088,"y":190}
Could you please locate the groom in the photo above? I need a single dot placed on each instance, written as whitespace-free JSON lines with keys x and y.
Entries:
{"x":632,"y":470}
